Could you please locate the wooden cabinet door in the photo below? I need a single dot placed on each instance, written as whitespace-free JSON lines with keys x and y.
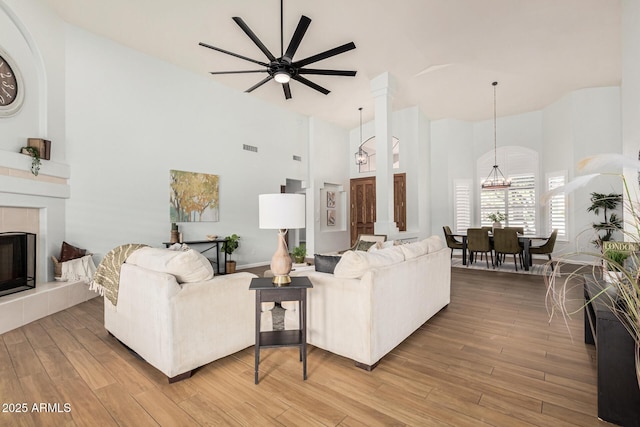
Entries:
{"x":363,"y":206}
{"x":400,"y":201}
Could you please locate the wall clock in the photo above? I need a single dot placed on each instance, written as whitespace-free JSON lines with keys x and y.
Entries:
{"x":11,"y":87}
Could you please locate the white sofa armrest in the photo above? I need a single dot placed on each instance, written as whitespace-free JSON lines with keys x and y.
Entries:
{"x":178,"y":327}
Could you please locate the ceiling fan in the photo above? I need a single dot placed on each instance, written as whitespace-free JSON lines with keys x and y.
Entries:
{"x":284,"y":68}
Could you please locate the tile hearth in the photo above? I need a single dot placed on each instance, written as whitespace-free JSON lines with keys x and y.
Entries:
{"x":47,"y":298}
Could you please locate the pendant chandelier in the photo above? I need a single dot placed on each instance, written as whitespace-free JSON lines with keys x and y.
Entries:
{"x":362,"y":157}
{"x":495,"y":180}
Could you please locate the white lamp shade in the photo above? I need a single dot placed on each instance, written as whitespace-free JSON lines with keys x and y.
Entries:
{"x":281,"y":211}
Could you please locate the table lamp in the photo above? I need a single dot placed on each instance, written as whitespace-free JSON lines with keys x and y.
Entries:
{"x":281,"y":212}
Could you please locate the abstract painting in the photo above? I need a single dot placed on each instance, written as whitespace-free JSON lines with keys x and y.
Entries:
{"x":193,"y":197}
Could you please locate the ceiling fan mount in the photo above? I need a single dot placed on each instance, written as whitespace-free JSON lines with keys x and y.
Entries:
{"x":284,"y":68}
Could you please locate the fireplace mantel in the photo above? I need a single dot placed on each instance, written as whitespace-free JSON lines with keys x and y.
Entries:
{"x":16,"y":176}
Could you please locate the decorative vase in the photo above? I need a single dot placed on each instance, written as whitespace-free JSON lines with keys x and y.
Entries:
{"x":497,"y":224}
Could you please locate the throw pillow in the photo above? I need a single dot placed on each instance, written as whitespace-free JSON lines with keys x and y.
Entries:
{"x":187,"y":266}
{"x":354,"y":264}
{"x":69,"y":252}
{"x":413,"y":250}
{"x":363,"y":245}
{"x":326,"y":263}
{"x":434,"y":243}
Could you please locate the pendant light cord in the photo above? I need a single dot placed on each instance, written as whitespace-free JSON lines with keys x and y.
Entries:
{"x":495,"y":132}
{"x":360,"y":143}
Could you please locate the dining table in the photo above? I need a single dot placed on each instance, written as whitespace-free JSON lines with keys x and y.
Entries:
{"x":525,"y":241}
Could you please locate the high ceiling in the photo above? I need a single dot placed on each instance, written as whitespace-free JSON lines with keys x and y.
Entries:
{"x":444,"y":54}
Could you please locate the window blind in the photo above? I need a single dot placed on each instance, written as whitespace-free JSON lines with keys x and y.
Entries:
{"x":461,"y":205}
{"x":557,"y":219}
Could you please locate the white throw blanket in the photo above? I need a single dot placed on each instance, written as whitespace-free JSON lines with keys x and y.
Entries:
{"x":79,"y":269}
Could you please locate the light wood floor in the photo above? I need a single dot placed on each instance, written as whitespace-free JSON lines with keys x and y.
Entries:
{"x":490,"y":358}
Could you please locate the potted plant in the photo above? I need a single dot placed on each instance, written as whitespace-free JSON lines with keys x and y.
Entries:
{"x":229,"y":245}
{"x":613,"y":266}
{"x":497,"y":218}
{"x":299,"y":253}
{"x":35,"y":158}
{"x":611,"y":223}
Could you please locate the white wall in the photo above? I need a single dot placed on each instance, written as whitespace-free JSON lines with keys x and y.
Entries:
{"x":131,"y":118}
{"x":630,"y":94}
{"x":596,"y":128}
{"x":328,"y":170}
{"x":34,"y":37}
{"x":451,"y":141}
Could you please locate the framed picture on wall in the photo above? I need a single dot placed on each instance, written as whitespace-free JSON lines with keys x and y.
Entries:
{"x":193,"y":197}
{"x":331,"y":217}
{"x":331,"y":199}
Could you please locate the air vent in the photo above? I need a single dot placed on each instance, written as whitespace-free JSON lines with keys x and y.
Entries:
{"x":297,"y":158}
{"x":247,"y":147}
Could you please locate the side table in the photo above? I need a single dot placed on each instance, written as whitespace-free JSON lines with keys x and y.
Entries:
{"x":618,"y":393}
{"x":266,"y":291}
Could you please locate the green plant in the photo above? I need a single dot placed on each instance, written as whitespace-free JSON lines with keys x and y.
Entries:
{"x":35,"y":158}
{"x":230,"y":244}
{"x":622,"y":294}
{"x":615,"y":259}
{"x":299,"y":252}
{"x":611,"y":223}
{"x":497,"y":217}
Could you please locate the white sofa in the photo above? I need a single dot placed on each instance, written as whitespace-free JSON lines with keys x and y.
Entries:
{"x":177,"y":327}
{"x":375,"y":300}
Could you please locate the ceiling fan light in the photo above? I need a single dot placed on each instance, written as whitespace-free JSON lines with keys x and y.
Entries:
{"x":282,"y":77}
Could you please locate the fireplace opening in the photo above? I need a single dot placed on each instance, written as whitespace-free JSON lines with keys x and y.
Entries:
{"x":17,"y":262}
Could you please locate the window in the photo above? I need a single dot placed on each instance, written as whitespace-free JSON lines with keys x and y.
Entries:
{"x":369,"y":146}
{"x":517,"y":202}
{"x":461,"y":205}
{"x":557,"y":207}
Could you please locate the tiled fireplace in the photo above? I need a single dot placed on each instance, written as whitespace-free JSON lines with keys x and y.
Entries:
{"x":36,"y":204}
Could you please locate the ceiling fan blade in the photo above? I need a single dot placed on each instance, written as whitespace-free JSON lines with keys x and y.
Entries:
{"x":303,"y":24}
{"x":264,"y":64}
{"x":254,"y":38}
{"x":324,"y":55}
{"x":257,"y":85}
{"x":311,"y":84}
{"x":327,"y":72}
{"x":238,"y":72}
{"x":287,"y":90}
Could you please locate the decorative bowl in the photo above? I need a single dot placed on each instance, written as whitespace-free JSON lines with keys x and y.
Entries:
{"x":212,"y":237}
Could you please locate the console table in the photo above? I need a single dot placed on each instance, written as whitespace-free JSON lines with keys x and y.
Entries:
{"x":210,"y":245}
{"x":618,"y":390}
{"x":266,"y":291}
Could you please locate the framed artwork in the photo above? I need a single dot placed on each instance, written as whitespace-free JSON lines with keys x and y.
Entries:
{"x":331,"y":217}
{"x":193,"y":197}
{"x":331,"y":199}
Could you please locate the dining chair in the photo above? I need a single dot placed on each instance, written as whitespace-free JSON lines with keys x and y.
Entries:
{"x":545,"y":249}
{"x":452,"y":242}
{"x":478,"y":242}
{"x":519,"y":230}
{"x":506,"y":242}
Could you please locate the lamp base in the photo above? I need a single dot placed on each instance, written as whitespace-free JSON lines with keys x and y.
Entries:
{"x":281,"y":280}
{"x":281,"y":262}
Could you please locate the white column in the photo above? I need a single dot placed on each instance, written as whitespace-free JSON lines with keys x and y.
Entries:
{"x":630,"y":93}
{"x":383,"y":89}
